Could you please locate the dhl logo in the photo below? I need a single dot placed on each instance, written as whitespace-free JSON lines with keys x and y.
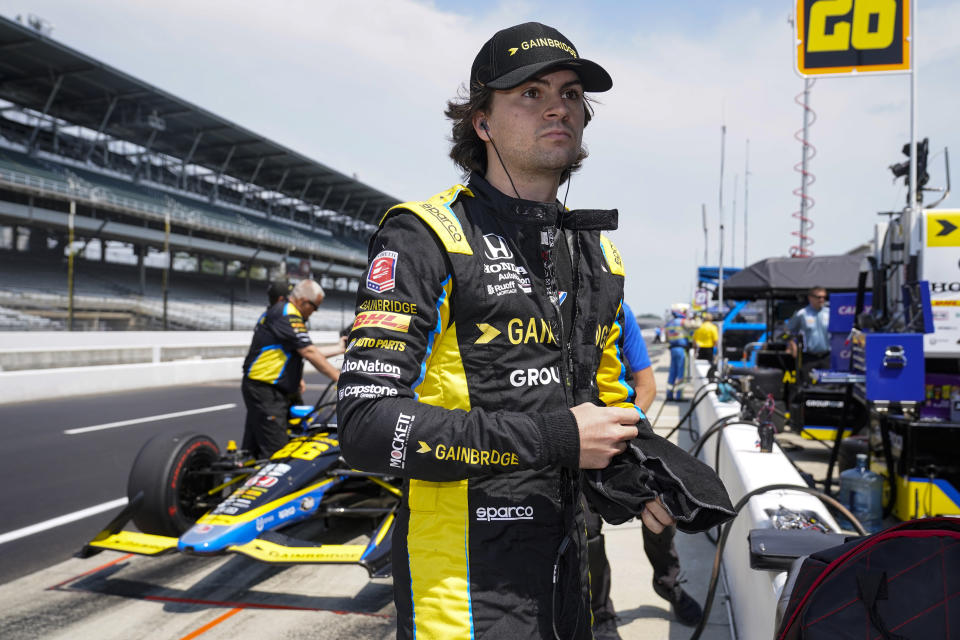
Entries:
{"x":390,"y":321}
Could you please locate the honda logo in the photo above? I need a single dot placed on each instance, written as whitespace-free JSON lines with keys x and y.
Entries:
{"x":497,"y":248}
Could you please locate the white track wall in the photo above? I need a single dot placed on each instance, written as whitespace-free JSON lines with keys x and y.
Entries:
{"x":742,"y":469}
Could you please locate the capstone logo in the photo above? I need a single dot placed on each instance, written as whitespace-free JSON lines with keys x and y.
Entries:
{"x":398,"y":448}
{"x":491,"y":514}
{"x":534,"y":377}
{"x":372,"y":367}
{"x":286,"y":513}
{"x":366,"y":391}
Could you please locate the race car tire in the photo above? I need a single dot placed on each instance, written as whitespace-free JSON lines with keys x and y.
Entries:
{"x":164,"y":471}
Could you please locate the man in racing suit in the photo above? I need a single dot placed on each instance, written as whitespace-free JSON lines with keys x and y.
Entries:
{"x":273,"y":368}
{"x":486,"y":344}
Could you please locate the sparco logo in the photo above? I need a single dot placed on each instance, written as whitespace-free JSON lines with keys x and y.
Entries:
{"x":497,"y":248}
{"x":366,"y":391}
{"x":487,"y":514}
{"x":940,"y":287}
{"x":398,"y":452}
{"x":448,"y":224}
{"x":534,"y":377}
{"x":373,"y":367}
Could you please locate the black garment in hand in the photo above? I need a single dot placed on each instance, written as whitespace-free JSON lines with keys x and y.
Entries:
{"x":653,"y":467}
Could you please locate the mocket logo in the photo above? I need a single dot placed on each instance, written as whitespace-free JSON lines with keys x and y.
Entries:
{"x":398,"y":448}
{"x":490,"y":514}
{"x":383,"y":272}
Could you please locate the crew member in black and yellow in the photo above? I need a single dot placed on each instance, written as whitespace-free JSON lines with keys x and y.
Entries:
{"x":273,"y":368}
{"x":484,"y":365}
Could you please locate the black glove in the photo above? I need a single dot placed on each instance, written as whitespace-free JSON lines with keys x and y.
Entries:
{"x":653,"y":467}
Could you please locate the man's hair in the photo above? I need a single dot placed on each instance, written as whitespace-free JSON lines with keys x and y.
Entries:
{"x":307,"y":290}
{"x":813,"y":290}
{"x":469,"y":152}
{"x":278,"y":289}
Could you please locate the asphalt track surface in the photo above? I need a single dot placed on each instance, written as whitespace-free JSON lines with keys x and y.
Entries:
{"x":49,"y":475}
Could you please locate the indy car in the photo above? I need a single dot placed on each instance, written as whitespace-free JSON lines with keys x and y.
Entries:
{"x":186,"y":496}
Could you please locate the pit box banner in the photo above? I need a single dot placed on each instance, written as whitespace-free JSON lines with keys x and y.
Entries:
{"x":940,"y":266}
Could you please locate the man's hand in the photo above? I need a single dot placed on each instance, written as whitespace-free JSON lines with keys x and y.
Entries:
{"x":655,"y":516}
{"x":303,"y":386}
{"x":604,"y":432}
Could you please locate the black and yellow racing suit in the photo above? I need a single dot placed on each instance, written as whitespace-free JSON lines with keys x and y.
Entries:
{"x":481,"y":320}
{"x":272,"y":372}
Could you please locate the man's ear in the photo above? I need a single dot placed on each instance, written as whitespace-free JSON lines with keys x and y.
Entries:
{"x":481,"y":126}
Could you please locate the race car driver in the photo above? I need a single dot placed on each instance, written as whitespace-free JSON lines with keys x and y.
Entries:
{"x":273,"y":368}
{"x":484,"y":363}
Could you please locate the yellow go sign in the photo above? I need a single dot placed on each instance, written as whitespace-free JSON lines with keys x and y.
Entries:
{"x":852,"y":36}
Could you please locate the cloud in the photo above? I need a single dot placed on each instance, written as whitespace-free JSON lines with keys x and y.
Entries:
{"x":361,"y":86}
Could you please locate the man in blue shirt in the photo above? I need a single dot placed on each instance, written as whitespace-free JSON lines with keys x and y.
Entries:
{"x":679,"y":341}
{"x":811,"y":322}
{"x":636,"y":356}
{"x":658,"y":547}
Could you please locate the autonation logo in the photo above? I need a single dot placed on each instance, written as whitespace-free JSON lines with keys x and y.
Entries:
{"x":372,"y":367}
{"x":490,"y":514}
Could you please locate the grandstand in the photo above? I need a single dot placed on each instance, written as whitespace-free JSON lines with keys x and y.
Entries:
{"x":132,"y":170}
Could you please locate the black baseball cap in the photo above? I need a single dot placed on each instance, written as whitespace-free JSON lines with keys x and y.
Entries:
{"x":516,"y":54}
{"x":278,"y":289}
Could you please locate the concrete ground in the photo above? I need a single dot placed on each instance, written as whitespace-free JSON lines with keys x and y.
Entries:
{"x":643,"y":614}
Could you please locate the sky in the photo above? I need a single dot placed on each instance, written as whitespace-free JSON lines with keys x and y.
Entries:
{"x":361,"y":85}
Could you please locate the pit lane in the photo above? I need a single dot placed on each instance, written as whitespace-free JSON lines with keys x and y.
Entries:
{"x":45,"y":593}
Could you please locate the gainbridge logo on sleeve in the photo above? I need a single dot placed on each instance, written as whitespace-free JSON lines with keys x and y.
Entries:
{"x":390,"y":321}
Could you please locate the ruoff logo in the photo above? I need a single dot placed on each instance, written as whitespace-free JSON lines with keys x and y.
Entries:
{"x":488,"y":514}
{"x":497,"y":248}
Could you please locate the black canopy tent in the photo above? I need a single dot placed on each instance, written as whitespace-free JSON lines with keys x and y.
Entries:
{"x":774,"y":278}
{"x":782,"y":284}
